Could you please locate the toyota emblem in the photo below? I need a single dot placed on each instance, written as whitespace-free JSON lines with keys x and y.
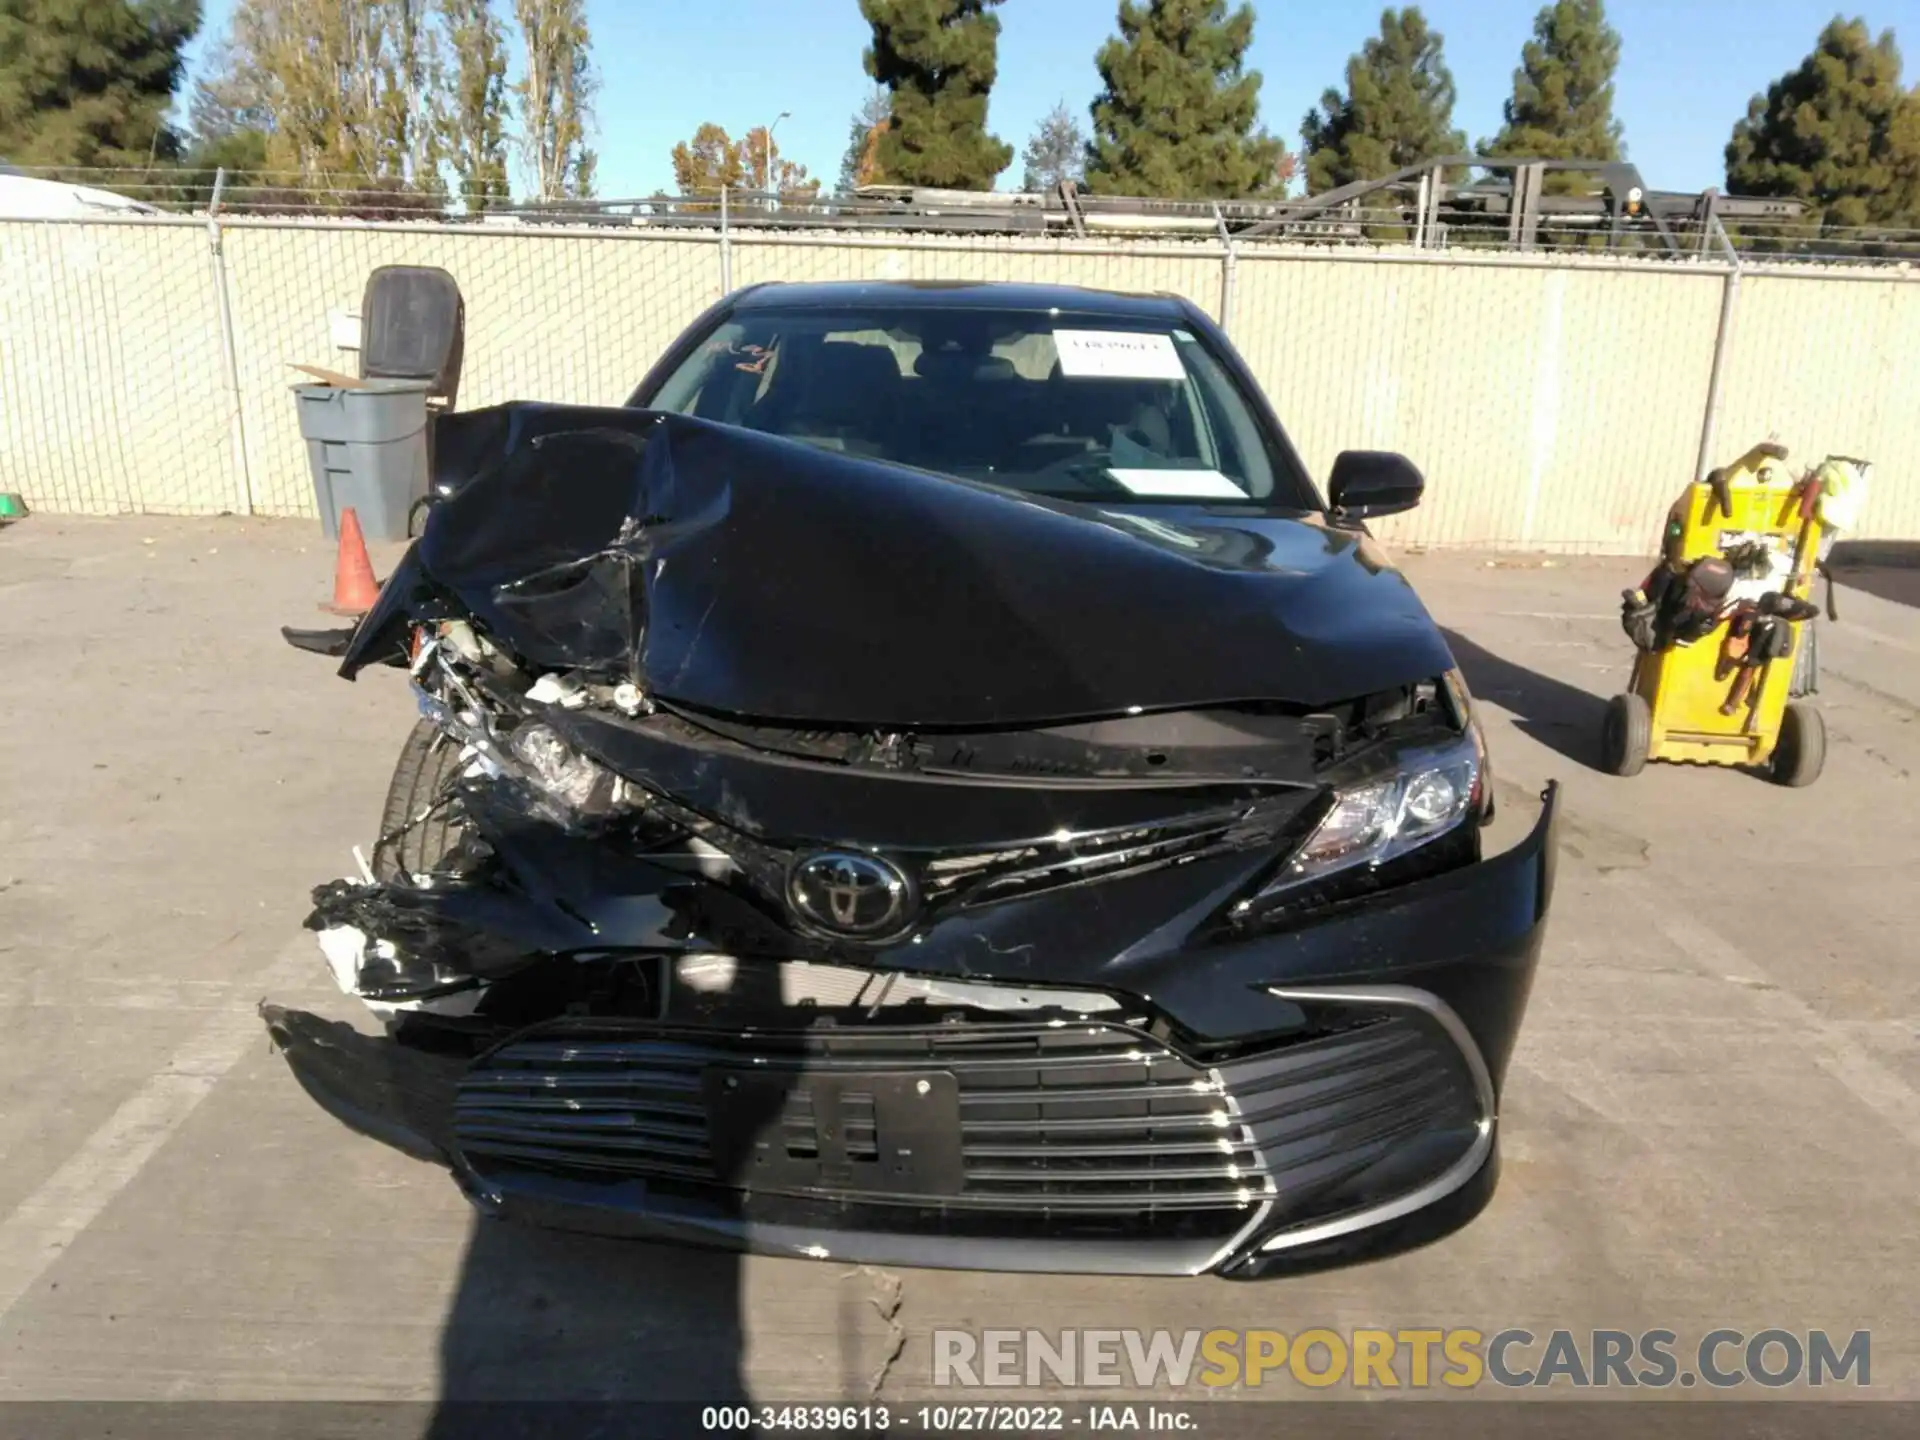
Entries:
{"x":850,"y":894}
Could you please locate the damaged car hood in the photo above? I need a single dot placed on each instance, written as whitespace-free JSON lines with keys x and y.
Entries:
{"x":738,"y":573}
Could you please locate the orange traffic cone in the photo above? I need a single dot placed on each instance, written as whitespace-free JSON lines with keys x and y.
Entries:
{"x":354,"y":588}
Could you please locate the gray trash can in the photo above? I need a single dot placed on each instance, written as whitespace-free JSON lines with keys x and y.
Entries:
{"x":367,"y":447}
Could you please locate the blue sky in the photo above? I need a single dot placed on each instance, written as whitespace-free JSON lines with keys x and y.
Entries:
{"x":1687,"y":69}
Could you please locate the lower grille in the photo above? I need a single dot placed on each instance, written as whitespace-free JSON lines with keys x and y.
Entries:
{"x":1351,"y":1119}
{"x":1078,"y":1129}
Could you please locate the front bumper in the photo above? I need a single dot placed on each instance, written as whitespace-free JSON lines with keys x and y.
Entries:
{"x":1308,"y":1097}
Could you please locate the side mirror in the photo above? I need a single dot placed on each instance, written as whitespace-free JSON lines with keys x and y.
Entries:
{"x":1373,"y":482}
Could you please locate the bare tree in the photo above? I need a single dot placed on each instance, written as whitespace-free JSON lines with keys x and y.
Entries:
{"x":556,"y":96}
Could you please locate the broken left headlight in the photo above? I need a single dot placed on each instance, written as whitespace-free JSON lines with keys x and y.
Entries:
{"x":557,"y":768}
{"x":1430,"y":792}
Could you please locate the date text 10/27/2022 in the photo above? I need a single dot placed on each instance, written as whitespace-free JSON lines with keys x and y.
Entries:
{"x":951,"y":1419}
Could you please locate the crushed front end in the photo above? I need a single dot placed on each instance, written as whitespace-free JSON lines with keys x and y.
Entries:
{"x":862,"y":934}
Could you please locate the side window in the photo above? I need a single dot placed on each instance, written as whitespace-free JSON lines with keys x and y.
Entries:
{"x":1240,"y":454}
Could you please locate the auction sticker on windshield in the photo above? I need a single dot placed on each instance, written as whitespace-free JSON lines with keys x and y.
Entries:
{"x":1117,"y":355}
{"x":1200,"y":484}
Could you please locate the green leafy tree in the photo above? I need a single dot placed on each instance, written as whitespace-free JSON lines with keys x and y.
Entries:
{"x":241,"y":152}
{"x":473,"y":132}
{"x":712,"y":158}
{"x":347,"y":95}
{"x":937,"y":59}
{"x":1178,"y":114}
{"x":89,"y":82}
{"x":556,"y":97}
{"x":410,"y":108}
{"x":860,"y":165}
{"x":768,"y":170}
{"x":230,"y":129}
{"x":1839,"y":132}
{"x":1057,"y":151}
{"x":224,"y":101}
{"x":1562,"y":104}
{"x":1397,"y":111}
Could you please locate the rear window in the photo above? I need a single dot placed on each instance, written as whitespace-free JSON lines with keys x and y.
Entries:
{"x":1054,"y":405}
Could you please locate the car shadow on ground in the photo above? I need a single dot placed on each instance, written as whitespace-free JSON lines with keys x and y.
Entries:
{"x":1560,"y":716}
{"x":558,"y":1334}
{"x":551,"y":1333}
{"x":1889,"y":569}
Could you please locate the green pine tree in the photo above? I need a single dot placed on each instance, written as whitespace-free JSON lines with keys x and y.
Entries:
{"x":1562,"y":105}
{"x":89,"y":82}
{"x":1398,"y":109}
{"x":1178,"y":115}
{"x":938,"y":60}
{"x":1903,"y":141}
{"x":1839,"y":132}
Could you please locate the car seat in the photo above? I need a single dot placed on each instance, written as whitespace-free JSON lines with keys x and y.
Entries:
{"x":845,"y":397}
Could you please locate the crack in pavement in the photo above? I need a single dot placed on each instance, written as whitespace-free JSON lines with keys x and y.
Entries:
{"x":890,"y":1290}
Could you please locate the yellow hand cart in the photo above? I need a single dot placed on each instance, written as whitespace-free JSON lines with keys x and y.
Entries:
{"x":1710,"y":697}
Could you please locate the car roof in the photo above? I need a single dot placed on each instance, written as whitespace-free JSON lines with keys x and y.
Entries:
{"x":959,"y":295}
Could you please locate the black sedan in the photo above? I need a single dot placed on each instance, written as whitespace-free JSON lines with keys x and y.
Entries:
{"x":930,"y":781}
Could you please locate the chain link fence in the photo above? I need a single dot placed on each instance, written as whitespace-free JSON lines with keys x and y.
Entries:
{"x":1555,"y":399}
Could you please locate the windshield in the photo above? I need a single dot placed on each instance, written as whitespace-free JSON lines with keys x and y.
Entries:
{"x":1070,"y":406}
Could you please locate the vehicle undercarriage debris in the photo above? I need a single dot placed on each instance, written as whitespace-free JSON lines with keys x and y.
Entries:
{"x":829,"y":858}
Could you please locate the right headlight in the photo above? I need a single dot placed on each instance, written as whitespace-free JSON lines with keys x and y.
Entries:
{"x":1431,"y":790}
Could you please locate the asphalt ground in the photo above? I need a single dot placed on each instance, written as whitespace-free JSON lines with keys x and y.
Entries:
{"x":1711,"y":1119}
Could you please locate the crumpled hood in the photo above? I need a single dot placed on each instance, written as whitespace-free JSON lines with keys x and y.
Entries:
{"x":741,"y":573}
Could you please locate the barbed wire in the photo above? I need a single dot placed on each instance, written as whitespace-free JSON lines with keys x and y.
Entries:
{"x":1480,"y":224}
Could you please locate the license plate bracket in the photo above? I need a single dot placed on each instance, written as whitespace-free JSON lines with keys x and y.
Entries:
{"x":889,"y":1133}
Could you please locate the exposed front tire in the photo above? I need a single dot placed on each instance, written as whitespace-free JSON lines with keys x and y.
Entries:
{"x":1801,"y":751}
{"x":1626,"y":735}
{"x":428,"y":760}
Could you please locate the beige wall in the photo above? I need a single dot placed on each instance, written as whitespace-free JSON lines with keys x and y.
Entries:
{"x":1550,"y":407}
{"x":111,"y":390}
{"x":1553,"y":404}
{"x":1833,"y":367}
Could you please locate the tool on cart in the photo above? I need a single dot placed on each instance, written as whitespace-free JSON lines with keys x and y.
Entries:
{"x":1758,"y":633}
{"x":1724,"y":626}
{"x":1843,"y":493}
{"x":1678,"y":604}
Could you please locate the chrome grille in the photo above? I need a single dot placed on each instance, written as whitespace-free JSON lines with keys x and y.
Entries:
{"x":1089,"y":1121}
{"x":1023,"y":870}
{"x":1005,"y":872}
